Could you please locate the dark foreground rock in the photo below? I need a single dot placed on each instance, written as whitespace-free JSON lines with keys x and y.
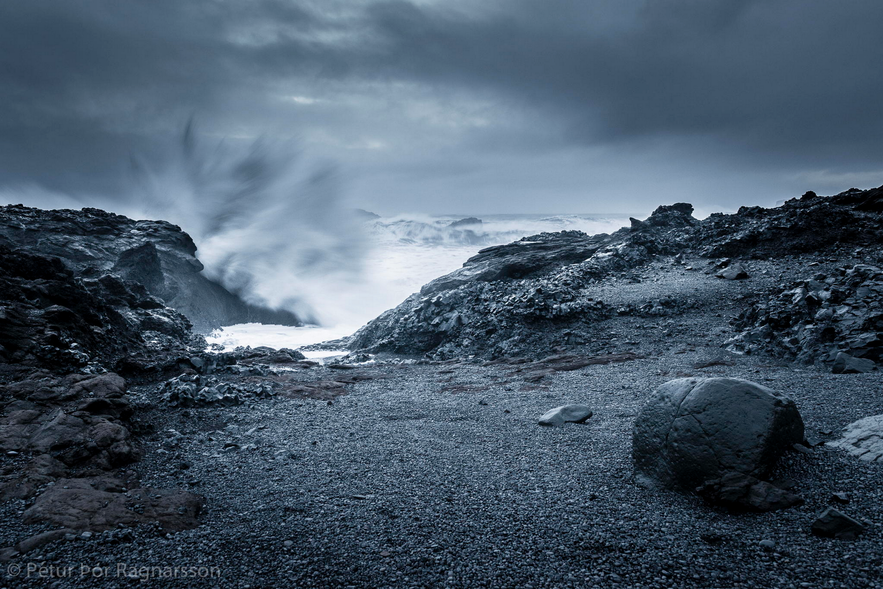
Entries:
{"x":741,"y":492}
{"x":74,"y":435}
{"x":695,"y":430}
{"x":155,"y":254}
{"x":53,"y":320}
{"x":832,"y":523}
{"x":104,"y":503}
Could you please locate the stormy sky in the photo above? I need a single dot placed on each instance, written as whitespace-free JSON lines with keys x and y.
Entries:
{"x":457,"y":106}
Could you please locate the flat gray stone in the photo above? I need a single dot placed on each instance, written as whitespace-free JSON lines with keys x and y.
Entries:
{"x":565,"y":414}
{"x":863,"y":439}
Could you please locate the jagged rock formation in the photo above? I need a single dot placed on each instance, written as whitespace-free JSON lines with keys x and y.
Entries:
{"x":822,"y":319}
{"x":155,"y":254}
{"x":55,"y":321}
{"x":508,"y":298}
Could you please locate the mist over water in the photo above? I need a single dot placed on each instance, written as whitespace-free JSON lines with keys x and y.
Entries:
{"x":407,"y":251}
{"x":282,"y":234}
{"x":276,"y":234}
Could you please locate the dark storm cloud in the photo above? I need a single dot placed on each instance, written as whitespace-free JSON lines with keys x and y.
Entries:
{"x":780,"y":76}
{"x":456,"y":98}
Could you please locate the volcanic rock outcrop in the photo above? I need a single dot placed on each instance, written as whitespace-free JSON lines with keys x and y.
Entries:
{"x":155,"y":254}
{"x":506,"y":300}
{"x":836,"y":319}
{"x":55,"y":321}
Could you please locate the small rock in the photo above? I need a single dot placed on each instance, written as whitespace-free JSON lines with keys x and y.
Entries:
{"x":565,"y":414}
{"x":288,"y":544}
{"x":840,"y":498}
{"x":767,"y":544}
{"x":733,"y":272}
{"x":740,"y":492}
{"x":800,"y":448}
{"x":834,"y":524}
{"x":846,"y":364}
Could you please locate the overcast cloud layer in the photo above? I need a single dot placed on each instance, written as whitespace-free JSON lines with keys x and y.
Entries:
{"x":458,"y":106}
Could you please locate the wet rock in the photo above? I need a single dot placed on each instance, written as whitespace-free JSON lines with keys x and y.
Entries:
{"x":740,"y":492}
{"x":199,"y":391}
{"x":846,"y":364}
{"x":832,"y":523}
{"x":156,"y":255}
{"x":694,"y":430}
{"x":863,"y":439}
{"x":55,"y":321}
{"x":565,"y":414}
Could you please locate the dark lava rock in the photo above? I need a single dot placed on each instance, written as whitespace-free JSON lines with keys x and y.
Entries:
{"x":798,"y":226}
{"x":199,"y":391}
{"x":155,"y":254}
{"x":846,"y":364}
{"x":76,"y":421}
{"x":693,"y":430}
{"x":509,"y":299}
{"x":53,"y":320}
{"x":831,"y":523}
{"x":818,"y":319}
{"x":104,"y":503}
{"x":740,"y":492}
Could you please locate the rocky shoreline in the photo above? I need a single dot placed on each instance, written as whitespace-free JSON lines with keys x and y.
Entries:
{"x":417,"y":460}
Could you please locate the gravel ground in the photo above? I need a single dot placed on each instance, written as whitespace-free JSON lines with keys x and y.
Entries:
{"x":438,"y":476}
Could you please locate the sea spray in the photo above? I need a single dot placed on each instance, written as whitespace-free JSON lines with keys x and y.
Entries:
{"x":266,"y":228}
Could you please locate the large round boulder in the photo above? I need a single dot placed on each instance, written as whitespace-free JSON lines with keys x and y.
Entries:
{"x":693,"y":430}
